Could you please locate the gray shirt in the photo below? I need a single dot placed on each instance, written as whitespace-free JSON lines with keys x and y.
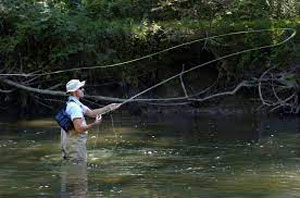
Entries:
{"x":74,"y":144}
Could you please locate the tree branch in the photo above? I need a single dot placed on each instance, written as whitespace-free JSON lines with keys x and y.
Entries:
{"x":182,"y":82}
{"x":242,"y":84}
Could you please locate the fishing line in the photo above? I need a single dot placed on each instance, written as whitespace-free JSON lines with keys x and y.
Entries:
{"x":183,"y":71}
{"x":147,"y":56}
{"x":204,"y":64}
{"x":114,"y":130}
{"x":132,"y":99}
{"x":97,"y":135}
{"x":112,"y":123}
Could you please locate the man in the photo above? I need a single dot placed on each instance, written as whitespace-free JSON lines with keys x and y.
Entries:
{"x":74,"y":141}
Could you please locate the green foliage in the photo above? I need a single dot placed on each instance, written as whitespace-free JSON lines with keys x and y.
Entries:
{"x":266,"y":9}
{"x":50,"y":34}
{"x":249,"y":10}
{"x":289,"y":80}
{"x":118,"y":9}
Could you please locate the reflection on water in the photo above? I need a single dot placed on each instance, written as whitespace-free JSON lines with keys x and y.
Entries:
{"x":74,"y":180}
{"x":178,"y":156}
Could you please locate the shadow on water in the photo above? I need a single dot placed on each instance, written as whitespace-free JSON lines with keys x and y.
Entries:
{"x":179,"y":155}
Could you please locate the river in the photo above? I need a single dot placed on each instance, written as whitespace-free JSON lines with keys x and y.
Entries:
{"x":204,"y":155}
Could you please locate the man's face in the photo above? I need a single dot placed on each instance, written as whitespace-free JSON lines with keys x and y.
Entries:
{"x":80,"y":92}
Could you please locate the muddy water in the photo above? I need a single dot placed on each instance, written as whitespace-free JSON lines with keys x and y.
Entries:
{"x":241,"y":155}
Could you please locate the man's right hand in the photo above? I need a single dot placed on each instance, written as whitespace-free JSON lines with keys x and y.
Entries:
{"x":114,"y":106}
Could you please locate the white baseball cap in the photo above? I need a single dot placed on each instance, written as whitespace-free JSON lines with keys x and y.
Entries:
{"x":74,"y":85}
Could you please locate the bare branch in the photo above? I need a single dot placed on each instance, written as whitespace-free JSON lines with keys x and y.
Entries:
{"x":182,"y":82}
{"x":242,"y":84}
{"x":273,"y":88}
{"x":39,"y":101}
{"x":283,"y":103}
{"x":7,"y":91}
{"x":35,"y":90}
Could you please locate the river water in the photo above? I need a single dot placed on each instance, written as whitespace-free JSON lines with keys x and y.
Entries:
{"x":220,"y":155}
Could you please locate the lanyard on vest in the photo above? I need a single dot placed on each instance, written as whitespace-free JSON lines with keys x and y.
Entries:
{"x":72,"y":100}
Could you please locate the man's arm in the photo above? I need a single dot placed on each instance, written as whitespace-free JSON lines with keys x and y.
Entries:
{"x":80,"y":127}
{"x":111,"y":107}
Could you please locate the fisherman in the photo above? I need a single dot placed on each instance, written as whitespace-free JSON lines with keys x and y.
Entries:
{"x":73,"y":142}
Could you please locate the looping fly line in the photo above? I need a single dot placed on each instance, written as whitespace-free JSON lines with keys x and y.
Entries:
{"x":34,"y":74}
{"x":210,"y":62}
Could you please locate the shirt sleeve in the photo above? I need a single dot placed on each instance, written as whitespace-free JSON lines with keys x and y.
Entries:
{"x":74,"y":111}
{"x":84,"y":108}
